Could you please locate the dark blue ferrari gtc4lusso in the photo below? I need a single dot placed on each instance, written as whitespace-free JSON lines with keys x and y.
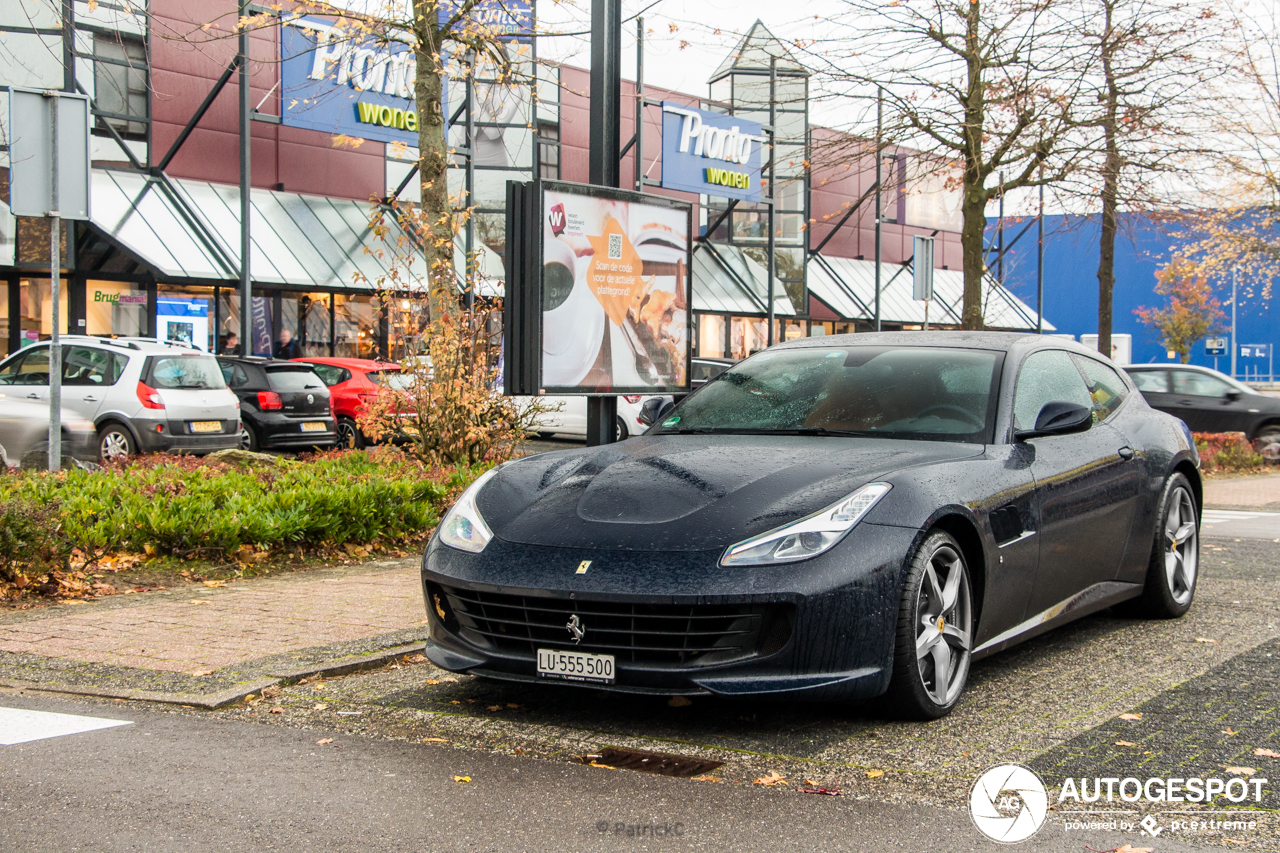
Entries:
{"x":834,"y":518}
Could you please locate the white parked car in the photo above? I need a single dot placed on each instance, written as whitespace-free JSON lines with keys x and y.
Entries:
{"x":571,"y":419}
{"x":139,"y":394}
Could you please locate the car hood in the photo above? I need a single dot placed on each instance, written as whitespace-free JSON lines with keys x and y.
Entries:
{"x":688,"y":492}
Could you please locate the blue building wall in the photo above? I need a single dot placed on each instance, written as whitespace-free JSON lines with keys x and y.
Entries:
{"x":1143,"y":246}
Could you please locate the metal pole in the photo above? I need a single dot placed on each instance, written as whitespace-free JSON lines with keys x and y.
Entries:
{"x":639,"y":158}
{"x":1040,"y":268}
{"x":54,"y":456}
{"x":773,"y":195}
{"x":246,"y":210}
{"x":879,"y":208}
{"x":471,"y":182}
{"x":1000,"y":234}
{"x":1234,"y":348}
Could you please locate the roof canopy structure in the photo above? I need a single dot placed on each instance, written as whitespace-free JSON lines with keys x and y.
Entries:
{"x":727,"y":280}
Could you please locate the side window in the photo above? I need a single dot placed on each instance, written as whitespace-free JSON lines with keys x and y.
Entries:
{"x":1151,"y":381}
{"x":90,"y":366}
{"x":1106,"y":388}
{"x":239,"y":378}
{"x":1198,"y":384}
{"x":1048,"y":376}
{"x":29,"y":369}
{"x":331,"y":375}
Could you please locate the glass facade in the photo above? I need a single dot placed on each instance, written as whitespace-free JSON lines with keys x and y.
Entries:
{"x":35,"y":310}
{"x":187,"y":315}
{"x":115,"y":308}
{"x":357,"y":325}
{"x":4,"y":319}
{"x":711,"y":337}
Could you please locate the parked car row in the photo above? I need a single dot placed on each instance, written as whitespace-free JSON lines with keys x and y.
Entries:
{"x":1208,"y":401}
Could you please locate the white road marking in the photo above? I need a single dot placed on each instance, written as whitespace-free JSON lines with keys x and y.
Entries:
{"x":21,"y":726}
{"x":1214,"y":516}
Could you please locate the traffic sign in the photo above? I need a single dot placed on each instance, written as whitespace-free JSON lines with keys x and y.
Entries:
{"x":1215,"y":346}
{"x":1255,"y":350}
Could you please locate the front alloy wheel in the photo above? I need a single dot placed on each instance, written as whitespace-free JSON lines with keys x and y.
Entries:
{"x":935,"y":628}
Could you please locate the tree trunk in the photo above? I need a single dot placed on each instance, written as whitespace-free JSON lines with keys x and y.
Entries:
{"x":974,"y":204}
{"x":973,"y":260}
{"x":433,"y":154}
{"x":1110,"y":189}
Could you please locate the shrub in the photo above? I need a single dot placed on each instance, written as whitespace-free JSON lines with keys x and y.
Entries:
{"x":31,"y":539}
{"x":1226,"y":452}
{"x":185,"y":506}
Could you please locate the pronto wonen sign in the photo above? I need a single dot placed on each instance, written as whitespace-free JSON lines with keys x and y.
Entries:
{"x":706,"y":152}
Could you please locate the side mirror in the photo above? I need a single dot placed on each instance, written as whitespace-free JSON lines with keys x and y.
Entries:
{"x":1059,"y":418}
{"x":1232,"y":395}
{"x":653,"y":410}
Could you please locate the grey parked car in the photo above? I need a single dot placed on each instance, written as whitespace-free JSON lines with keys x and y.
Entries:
{"x":138,"y":393}
{"x":24,"y":433}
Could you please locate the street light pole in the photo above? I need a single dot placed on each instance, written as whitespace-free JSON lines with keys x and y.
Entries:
{"x":246,"y":210}
{"x":1234,"y":348}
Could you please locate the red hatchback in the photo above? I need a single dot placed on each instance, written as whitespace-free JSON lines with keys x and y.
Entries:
{"x":351,"y":381}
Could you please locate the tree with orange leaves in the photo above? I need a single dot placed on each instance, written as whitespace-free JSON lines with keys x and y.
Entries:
{"x":1192,"y":311}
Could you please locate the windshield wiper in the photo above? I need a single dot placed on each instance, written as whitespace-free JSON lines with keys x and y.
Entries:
{"x":749,"y":431}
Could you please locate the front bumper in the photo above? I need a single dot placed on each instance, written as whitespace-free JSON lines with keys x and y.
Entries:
{"x":825,"y":628}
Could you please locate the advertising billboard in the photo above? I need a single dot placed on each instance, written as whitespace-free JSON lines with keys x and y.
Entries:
{"x":710,"y":153}
{"x":615,"y":291}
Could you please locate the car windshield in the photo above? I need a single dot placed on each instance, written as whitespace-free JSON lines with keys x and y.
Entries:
{"x":894,"y":392}
{"x":188,"y":372}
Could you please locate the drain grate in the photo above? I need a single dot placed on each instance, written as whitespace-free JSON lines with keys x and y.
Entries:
{"x":681,"y":766}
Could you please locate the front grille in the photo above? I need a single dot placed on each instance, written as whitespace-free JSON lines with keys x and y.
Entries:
{"x":663,"y":634}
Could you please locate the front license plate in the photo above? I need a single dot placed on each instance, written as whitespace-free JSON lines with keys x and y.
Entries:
{"x":313,"y":426}
{"x":206,"y":426}
{"x":575,"y":666}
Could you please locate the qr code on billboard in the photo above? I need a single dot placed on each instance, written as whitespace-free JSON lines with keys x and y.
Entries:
{"x":615,"y":247}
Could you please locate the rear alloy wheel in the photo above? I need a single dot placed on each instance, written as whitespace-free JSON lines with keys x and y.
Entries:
{"x":349,"y":436}
{"x":248,"y":438}
{"x":1175,"y":556}
{"x":935,"y":630}
{"x":619,"y":429}
{"x":115,"y":442}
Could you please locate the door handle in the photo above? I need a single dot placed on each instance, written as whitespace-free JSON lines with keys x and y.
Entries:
{"x":1125,"y":452}
{"x":1184,"y":403}
{"x":33,"y":396}
{"x":89,"y":398}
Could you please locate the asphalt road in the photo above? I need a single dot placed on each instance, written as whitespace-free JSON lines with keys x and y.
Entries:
{"x":173,"y":782}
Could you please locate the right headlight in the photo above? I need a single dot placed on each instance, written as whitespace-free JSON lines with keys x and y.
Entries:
{"x":809,"y":536}
{"x":463,"y":526}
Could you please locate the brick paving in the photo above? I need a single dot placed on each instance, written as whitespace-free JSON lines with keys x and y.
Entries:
{"x":1253,"y":491}
{"x":215,"y":628}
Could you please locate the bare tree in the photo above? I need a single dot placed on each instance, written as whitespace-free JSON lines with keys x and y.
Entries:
{"x":984,"y":86}
{"x":1144,"y":117}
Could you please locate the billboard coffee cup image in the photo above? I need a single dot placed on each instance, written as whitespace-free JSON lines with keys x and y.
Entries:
{"x":573,"y":319}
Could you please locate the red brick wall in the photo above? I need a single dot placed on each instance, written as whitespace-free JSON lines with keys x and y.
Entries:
{"x":186,"y":60}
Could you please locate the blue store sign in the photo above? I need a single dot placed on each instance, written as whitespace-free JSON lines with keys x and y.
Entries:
{"x":363,"y":87}
{"x":711,"y":153}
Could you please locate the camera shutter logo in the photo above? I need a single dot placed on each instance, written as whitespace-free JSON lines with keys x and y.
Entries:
{"x":1008,"y":803}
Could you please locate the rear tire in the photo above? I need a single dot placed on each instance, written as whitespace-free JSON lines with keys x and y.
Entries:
{"x":115,"y":442}
{"x":248,"y":438}
{"x":349,"y":435}
{"x":1170,"y":586}
{"x":620,"y":430}
{"x":933,"y":645}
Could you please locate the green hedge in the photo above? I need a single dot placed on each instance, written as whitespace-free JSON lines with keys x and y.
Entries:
{"x":181,"y":505}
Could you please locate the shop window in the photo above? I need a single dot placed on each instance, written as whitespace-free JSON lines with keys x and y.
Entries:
{"x":35,"y":307}
{"x":306,"y":317}
{"x":115,"y":309}
{"x":788,"y":330}
{"x":747,"y":335}
{"x":407,"y":323}
{"x":711,"y":335}
{"x":4,"y":320}
{"x":120,"y":83}
{"x":356,"y":322}
{"x":185,"y":315}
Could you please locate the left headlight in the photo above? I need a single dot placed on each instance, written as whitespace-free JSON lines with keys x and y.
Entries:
{"x":463,"y":526}
{"x":809,"y":536}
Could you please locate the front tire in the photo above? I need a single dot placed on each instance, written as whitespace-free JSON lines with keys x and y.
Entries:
{"x":1170,"y":586}
{"x":115,"y":442}
{"x":933,"y":645}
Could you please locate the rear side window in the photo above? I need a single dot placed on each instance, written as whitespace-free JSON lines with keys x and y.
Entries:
{"x":1151,"y":381}
{"x":185,"y":372}
{"x":1106,"y":388}
{"x":330,"y":374}
{"x":91,"y":366}
{"x":1198,"y":384}
{"x":293,"y":380}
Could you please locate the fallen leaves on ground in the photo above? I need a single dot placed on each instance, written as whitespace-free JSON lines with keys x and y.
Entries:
{"x":706,"y":777}
{"x":416,"y":659}
{"x":1129,"y":848}
{"x":323,"y":741}
{"x":493,"y":707}
{"x":874,"y":774}
{"x":203,"y":672}
{"x":462,"y":779}
{"x":1205,"y":640}
{"x":679,"y":702}
{"x":1131,"y":716}
{"x":1125,"y":743}
{"x":434,"y":740}
{"x":1239,"y":771}
{"x":830,"y":792}
{"x":319,"y":706}
{"x":214,"y":584}
{"x":774,"y":778}
{"x":276,"y":710}
{"x":1266,"y":753}
{"x":512,"y":705}
{"x":1228,"y":731}
{"x":192,"y":601}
